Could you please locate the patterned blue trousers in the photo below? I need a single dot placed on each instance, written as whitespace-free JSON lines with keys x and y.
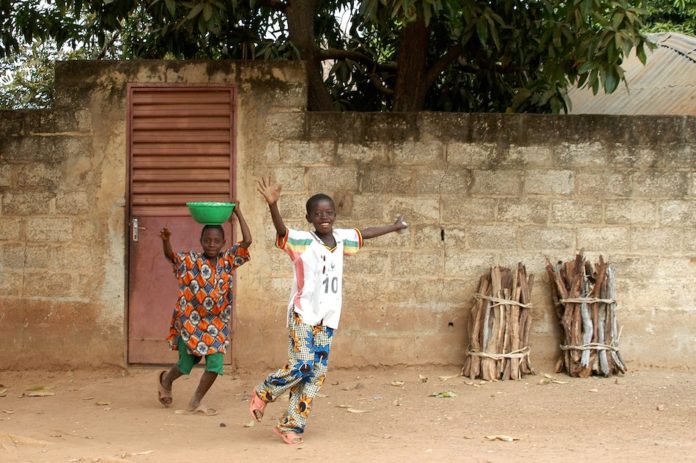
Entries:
{"x":303,"y":375}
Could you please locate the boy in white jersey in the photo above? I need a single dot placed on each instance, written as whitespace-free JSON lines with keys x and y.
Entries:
{"x":314,"y":308}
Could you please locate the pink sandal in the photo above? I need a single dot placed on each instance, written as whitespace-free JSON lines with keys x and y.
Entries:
{"x":256,"y":407}
{"x":290,"y":438}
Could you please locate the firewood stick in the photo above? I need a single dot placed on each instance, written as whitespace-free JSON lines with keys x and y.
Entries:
{"x":576,"y":322}
{"x":596,"y":291}
{"x":611,"y":292}
{"x":485,"y":370}
{"x":475,"y":305}
{"x":503,"y":331}
{"x":515,"y":336}
{"x":473,"y":331}
{"x":476,"y":327}
{"x":603,"y":364}
{"x":491,"y":347}
{"x":525,"y":324}
{"x":526,"y":327}
{"x":587,"y":328}
{"x":608,"y":323}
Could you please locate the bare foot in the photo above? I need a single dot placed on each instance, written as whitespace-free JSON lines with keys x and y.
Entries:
{"x":164,"y":393}
{"x":194,"y":404}
{"x":203,"y":410}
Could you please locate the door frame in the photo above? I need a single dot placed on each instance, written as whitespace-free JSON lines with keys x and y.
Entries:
{"x":130,"y":87}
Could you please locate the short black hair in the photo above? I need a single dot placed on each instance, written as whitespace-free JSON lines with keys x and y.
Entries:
{"x":314,"y":200}
{"x":213,"y":227}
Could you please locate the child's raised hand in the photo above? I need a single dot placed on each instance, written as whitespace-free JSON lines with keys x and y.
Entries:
{"x":237,"y":205}
{"x":269,"y":191}
{"x":237,"y":209}
{"x":400,"y":224}
{"x":165,"y":234}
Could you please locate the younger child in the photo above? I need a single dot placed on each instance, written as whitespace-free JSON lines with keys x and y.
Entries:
{"x":200,"y":322}
{"x":314,"y":308}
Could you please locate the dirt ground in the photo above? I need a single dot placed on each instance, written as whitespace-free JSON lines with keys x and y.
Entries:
{"x":380,"y":415}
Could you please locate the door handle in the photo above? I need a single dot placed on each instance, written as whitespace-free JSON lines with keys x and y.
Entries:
{"x":134,"y":225}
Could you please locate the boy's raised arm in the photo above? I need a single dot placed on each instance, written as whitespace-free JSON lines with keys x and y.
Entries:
{"x":166,"y":245}
{"x":373,"y":232}
{"x":271,"y":193}
{"x":246,"y":233}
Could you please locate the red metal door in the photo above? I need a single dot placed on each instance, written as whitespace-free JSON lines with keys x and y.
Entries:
{"x":180,"y":148}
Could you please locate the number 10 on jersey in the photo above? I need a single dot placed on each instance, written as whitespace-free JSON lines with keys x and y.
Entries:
{"x":330,"y":285}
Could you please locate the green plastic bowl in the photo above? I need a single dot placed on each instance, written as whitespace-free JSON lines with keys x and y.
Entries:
{"x":210,"y":213}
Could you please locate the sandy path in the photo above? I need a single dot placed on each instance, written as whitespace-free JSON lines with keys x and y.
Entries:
{"x":110,"y":416}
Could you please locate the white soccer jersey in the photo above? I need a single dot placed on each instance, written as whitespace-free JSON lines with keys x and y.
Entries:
{"x":317,"y":289}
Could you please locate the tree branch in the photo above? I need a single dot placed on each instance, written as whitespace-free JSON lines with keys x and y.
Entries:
{"x":338,"y":54}
{"x":107,"y":45}
{"x":335,"y":53}
{"x":379,"y":85}
{"x":491,"y":67}
{"x":454,"y":54}
{"x":277,"y":5}
{"x":441,"y":64}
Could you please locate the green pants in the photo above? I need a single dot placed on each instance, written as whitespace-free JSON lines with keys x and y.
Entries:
{"x":186,"y":361}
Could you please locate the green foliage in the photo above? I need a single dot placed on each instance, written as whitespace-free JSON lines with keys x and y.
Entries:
{"x":671,"y":16}
{"x":26,"y":78}
{"x":520,"y":56}
{"x":482,"y":55}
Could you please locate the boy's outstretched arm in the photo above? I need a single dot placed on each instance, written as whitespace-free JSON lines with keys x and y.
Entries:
{"x":166,"y":245}
{"x":271,"y":193}
{"x":246,"y":233}
{"x":373,"y":232}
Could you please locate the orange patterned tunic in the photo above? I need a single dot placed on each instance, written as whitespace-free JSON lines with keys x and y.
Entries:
{"x":204,"y":308}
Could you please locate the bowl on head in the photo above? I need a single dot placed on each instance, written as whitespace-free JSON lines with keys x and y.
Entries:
{"x":209,"y":212}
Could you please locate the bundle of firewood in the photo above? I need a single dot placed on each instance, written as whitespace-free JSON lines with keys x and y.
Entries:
{"x":499,"y":326}
{"x":585,"y":301}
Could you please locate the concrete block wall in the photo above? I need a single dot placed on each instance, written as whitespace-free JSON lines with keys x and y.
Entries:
{"x":477,"y":190}
{"x":482,"y":190}
{"x":63,"y":214}
{"x":53,"y":265}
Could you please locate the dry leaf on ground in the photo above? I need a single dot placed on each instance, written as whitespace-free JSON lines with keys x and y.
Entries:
{"x":502,"y":437}
{"x":17,"y":439}
{"x":355,"y":386}
{"x":38,"y":393}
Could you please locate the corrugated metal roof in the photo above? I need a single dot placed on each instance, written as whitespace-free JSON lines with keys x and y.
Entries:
{"x":665,"y":85}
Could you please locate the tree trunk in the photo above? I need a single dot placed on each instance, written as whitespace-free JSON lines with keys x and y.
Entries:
{"x":411,"y":82}
{"x":300,"y":16}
